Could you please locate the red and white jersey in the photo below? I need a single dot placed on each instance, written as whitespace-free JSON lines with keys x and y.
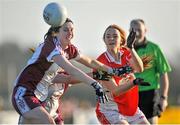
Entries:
{"x":127,"y":102}
{"x":41,"y":69}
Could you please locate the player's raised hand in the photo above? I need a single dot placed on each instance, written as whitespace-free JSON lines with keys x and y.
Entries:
{"x":131,"y":39}
{"x":100,"y":94}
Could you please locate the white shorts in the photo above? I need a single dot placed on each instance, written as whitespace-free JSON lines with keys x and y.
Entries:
{"x":114,"y":117}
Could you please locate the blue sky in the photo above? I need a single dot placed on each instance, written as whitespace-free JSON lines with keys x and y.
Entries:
{"x":22,"y":21}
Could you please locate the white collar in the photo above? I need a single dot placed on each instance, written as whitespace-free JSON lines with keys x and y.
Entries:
{"x":110,"y":58}
{"x":57,"y":41}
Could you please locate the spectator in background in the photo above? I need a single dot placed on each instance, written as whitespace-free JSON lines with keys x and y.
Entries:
{"x":151,"y":102}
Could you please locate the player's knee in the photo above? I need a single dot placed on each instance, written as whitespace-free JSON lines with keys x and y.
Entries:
{"x":45,"y":119}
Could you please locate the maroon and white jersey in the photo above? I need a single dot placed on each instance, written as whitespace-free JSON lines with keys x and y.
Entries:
{"x":41,"y":69}
{"x":51,"y":104}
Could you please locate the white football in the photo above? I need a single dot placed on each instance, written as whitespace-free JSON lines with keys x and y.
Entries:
{"x":55,"y":14}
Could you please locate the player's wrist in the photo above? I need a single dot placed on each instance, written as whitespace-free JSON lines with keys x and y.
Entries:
{"x":96,"y":85}
{"x":164,"y":97}
{"x":135,"y":82}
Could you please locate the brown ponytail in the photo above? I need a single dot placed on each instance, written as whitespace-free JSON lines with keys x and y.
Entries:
{"x":51,"y":31}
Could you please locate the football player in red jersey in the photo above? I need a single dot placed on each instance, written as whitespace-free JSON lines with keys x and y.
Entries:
{"x":122,"y":108}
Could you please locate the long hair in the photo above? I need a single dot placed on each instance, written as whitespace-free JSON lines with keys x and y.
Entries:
{"x":122,"y":33}
{"x":53,"y":30}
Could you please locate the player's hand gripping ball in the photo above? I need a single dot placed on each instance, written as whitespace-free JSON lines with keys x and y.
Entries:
{"x":55,"y":14}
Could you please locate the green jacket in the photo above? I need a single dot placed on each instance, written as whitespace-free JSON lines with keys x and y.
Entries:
{"x":155,"y":64}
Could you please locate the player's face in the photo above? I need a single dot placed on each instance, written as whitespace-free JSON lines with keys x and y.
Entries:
{"x":140,"y":31}
{"x":66,"y":33}
{"x":112,"y":38}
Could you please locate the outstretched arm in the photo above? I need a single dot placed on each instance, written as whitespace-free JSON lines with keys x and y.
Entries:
{"x":95,"y":64}
{"x":72,"y":70}
{"x":68,"y":79}
{"x":79,"y":75}
{"x":92,"y":63}
{"x":110,"y":84}
{"x":63,"y":77}
{"x":126,"y":83}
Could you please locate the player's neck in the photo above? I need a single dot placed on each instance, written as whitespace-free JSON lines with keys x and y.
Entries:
{"x":64,"y":45}
{"x":114,"y":53}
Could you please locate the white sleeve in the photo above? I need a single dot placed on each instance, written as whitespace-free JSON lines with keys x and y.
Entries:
{"x":57,"y":51}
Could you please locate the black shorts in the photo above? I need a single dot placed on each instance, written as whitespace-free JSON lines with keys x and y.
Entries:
{"x":149,"y":103}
